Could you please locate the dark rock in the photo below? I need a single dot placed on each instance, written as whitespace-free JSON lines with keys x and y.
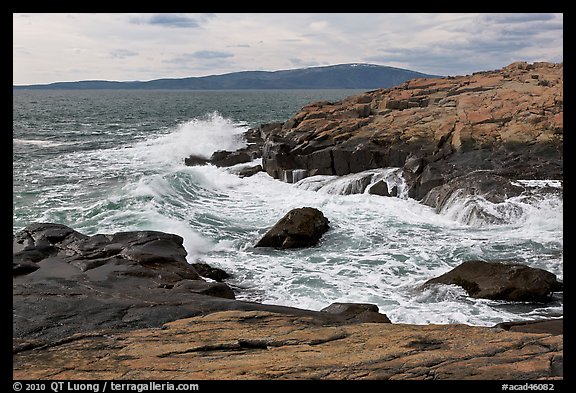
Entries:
{"x":341,"y":161}
{"x":223,"y":158}
{"x":208,"y":271}
{"x":414,"y":164}
{"x":23,"y":267}
{"x":155,"y":248}
{"x":249,"y":171}
{"x":194,"y":160}
{"x":301,"y":227}
{"x":381,"y":188}
{"x":83,"y":284}
{"x":551,"y":326}
{"x":254,"y":139}
{"x":492,"y":187}
{"x":264,"y":130}
{"x":66,"y":282}
{"x":205,"y":288}
{"x":431,"y":176}
{"x":321,"y":161}
{"x":501,"y":281}
{"x":357,"y":312}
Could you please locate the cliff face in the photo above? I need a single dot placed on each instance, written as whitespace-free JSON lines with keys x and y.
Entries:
{"x":508,"y":121}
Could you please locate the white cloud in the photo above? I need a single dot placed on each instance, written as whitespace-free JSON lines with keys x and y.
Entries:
{"x":149,"y":46}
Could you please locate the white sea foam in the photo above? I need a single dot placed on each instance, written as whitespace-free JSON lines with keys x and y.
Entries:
{"x":539,"y":183}
{"x":474,"y":210}
{"x":356,"y":183}
{"x":199,"y":136}
{"x":38,"y":142}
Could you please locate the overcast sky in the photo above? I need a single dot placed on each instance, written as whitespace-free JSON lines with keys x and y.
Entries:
{"x":127,"y":47}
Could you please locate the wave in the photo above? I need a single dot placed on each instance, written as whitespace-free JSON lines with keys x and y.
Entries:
{"x":533,"y":206}
{"x":541,"y":205}
{"x":385,"y":181}
{"x":199,"y":136}
{"x":38,"y":142}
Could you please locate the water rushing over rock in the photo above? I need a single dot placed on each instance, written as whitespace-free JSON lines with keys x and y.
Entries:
{"x":385,"y":182}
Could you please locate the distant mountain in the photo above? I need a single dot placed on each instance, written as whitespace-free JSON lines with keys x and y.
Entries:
{"x":342,"y":76}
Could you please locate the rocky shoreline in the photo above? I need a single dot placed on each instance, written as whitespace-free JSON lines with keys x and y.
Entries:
{"x":128,"y":305}
{"x":476,"y":135}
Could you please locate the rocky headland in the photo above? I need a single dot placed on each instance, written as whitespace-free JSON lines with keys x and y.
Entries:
{"x":493,"y":127}
{"x":129,"y":306}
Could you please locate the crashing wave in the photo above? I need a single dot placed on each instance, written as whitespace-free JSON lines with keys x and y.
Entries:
{"x":384,"y":181}
{"x":540,"y":197}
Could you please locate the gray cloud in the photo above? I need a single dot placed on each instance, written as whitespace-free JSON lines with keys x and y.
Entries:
{"x":455,"y":59}
{"x":516,"y":18}
{"x":169,"y":20}
{"x":208,"y":54}
{"x":296,"y":61}
{"x":122,"y":53}
{"x":199,"y":55}
{"x":173,"y":20}
{"x":489,"y":42}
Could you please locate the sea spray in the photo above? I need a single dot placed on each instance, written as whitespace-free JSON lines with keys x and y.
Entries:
{"x":199,"y":136}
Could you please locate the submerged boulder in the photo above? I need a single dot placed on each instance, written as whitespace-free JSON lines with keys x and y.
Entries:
{"x":302,"y":227}
{"x":501,"y":281}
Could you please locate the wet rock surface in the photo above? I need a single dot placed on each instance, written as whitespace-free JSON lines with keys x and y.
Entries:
{"x":73,"y":284}
{"x":501,"y":281}
{"x":301,"y":227}
{"x":552,"y":326}
{"x":357,"y":312}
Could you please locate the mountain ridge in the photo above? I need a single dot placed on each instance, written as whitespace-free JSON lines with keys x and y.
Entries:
{"x":338,"y":76}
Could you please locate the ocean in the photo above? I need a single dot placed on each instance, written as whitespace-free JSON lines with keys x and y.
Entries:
{"x":105,"y":161}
